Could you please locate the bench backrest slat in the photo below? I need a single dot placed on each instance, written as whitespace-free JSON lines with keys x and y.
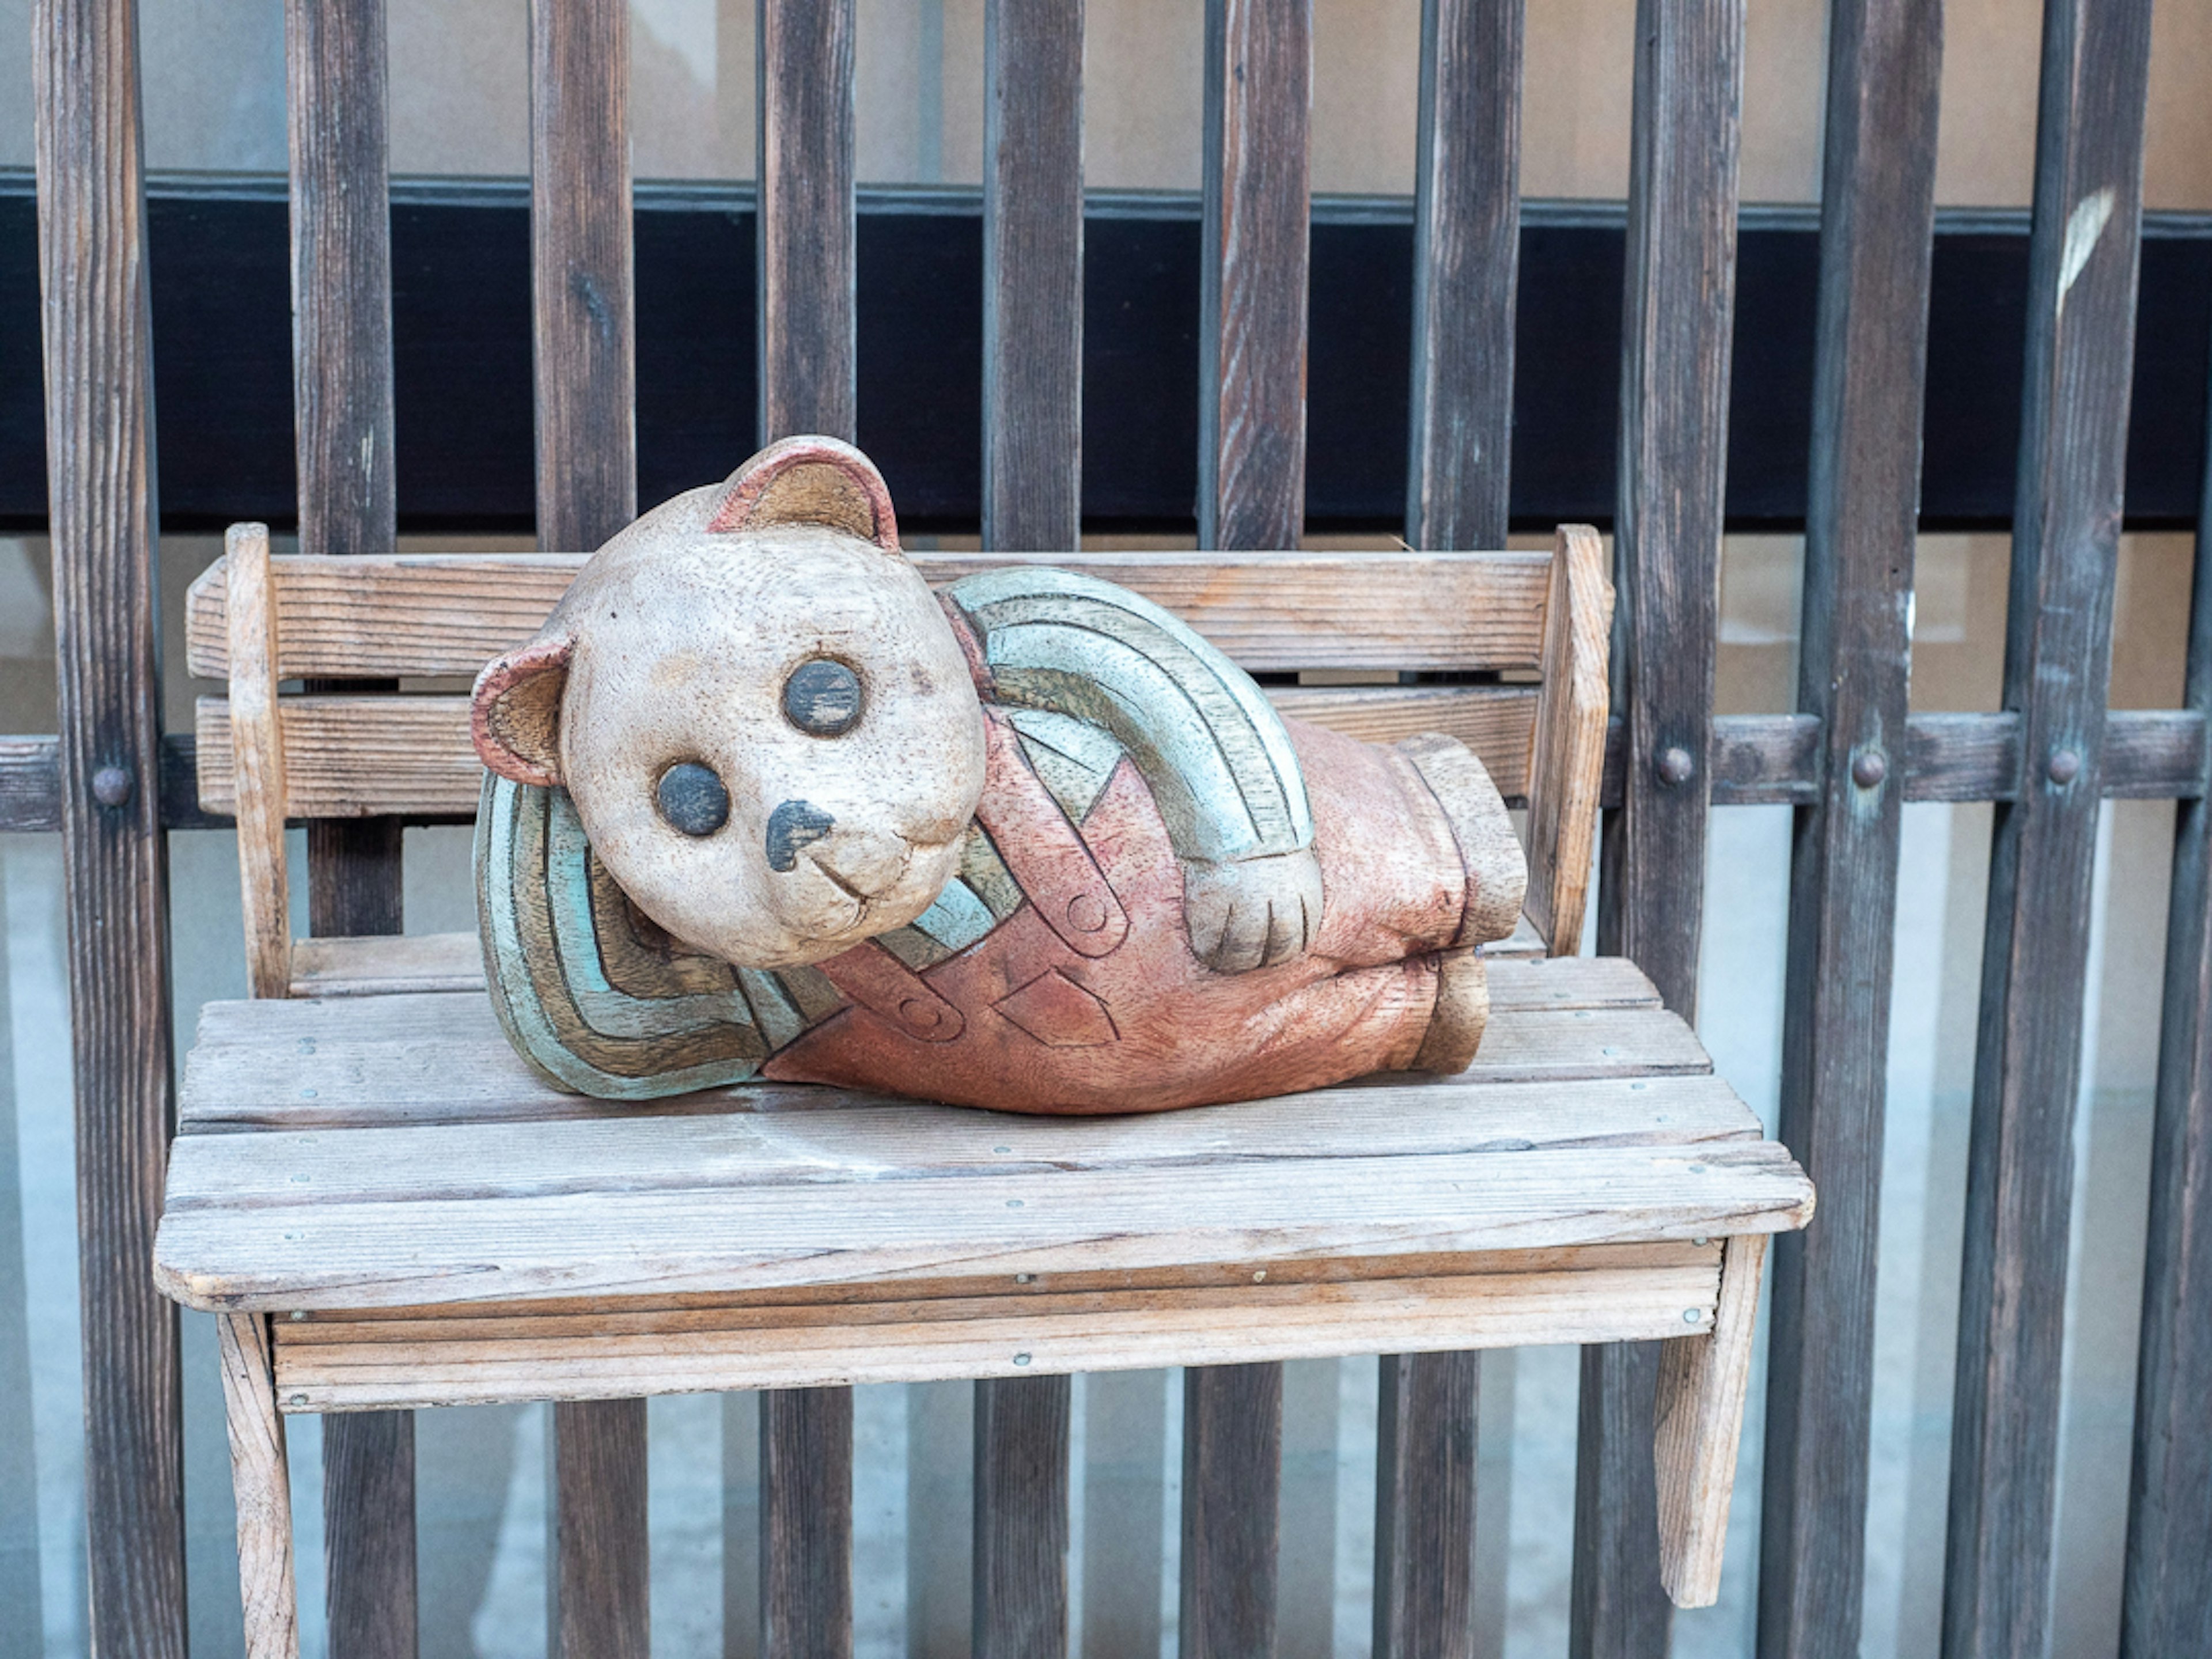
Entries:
{"x":359,"y":757}
{"x":448,"y":614}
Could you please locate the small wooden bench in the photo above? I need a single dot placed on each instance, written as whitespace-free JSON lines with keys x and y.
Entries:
{"x":389,"y":1210}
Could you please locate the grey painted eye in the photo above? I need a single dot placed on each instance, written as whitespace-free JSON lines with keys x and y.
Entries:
{"x":822,"y":697}
{"x":692,"y":799}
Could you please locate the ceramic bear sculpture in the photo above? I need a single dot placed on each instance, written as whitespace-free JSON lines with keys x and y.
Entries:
{"x":763,"y":803}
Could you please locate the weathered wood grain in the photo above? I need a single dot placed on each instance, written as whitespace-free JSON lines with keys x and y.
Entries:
{"x":1566,"y":767}
{"x":1424,"y":1503}
{"x":1962,"y":756}
{"x":864,"y":1302}
{"x":2150,"y":754}
{"x":616,"y":1241}
{"x":805,"y":236}
{"x":806,"y":1523}
{"x":1252,"y":274}
{"x":31,"y":785}
{"x":1702,"y":1380}
{"x":744,"y":1151}
{"x":2166,"y":1603}
{"x":449,"y":614}
{"x":99,"y":485}
{"x":1232,"y":1470}
{"x":1758,"y":758}
{"x":600,"y":1586}
{"x":1878,"y":204}
{"x":348,"y":757}
{"x":585,"y":342}
{"x":336,"y":104}
{"x":341,"y":243}
{"x":1467,"y":253}
{"x":257,"y":758}
{"x":352,"y":757}
{"x":584,"y":335}
{"x":1033,"y":273}
{"x":261,"y":1485}
{"x":1015,"y":1336}
{"x":1677,"y":331}
{"x":450,"y":1065}
{"x":2066,"y":520}
{"x":381,"y":965}
{"x":1020,"y":1597}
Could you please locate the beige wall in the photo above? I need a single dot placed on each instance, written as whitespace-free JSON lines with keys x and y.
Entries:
{"x":461,"y":97}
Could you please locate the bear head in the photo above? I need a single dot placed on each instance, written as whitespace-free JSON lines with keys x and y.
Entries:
{"x":767,"y":724}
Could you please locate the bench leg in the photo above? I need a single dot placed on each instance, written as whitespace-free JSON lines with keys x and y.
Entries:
{"x":1699,"y":1421}
{"x":260,"y":1478}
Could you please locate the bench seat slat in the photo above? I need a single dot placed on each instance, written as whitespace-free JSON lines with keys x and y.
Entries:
{"x":327,"y":1065}
{"x":363,"y":756}
{"x":988,"y":1226}
{"x":1607,"y":1293}
{"x":865,"y":1145}
{"x":444,"y":614}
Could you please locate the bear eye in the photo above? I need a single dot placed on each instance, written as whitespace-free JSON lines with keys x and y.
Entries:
{"x":822,"y":697}
{"x":692,"y":799}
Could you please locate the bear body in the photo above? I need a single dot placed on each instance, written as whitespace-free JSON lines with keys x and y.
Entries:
{"x":1075,"y":861}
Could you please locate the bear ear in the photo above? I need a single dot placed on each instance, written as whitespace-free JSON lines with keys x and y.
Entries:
{"x":515,"y":715}
{"x":811,"y":480}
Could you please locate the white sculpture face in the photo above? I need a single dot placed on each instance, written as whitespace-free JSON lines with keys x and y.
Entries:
{"x":770,"y":733}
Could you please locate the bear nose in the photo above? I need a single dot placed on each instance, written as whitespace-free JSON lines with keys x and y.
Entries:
{"x":794,"y":824}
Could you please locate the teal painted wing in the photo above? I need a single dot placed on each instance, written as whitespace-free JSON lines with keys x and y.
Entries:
{"x":567,"y":966}
{"x":1209,"y":743}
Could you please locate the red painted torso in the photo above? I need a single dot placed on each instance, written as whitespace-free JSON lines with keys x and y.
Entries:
{"x":1088,"y":999}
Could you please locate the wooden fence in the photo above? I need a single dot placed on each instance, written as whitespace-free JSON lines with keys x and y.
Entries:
{"x":1846,"y":761}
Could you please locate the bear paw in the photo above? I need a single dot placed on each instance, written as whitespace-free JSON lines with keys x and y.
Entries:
{"x":1253,"y":913}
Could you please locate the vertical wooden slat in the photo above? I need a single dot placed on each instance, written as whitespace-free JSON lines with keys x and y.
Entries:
{"x":1021,"y":1517}
{"x":1251,"y":493}
{"x":259,"y":1482}
{"x":2066,"y":521}
{"x":1232,"y":1459}
{"x":1678,"y":315}
{"x":1700,"y":1416}
{"x":2167,"y":1589}
{"x":1424,"y":1506}
{"x":99,"y":481}
{"x":586,"y":353}
{"x":1252,"y":283}
{"x":1466,"y":262}
{"x":341,"y":274}
{"x":1878,"y":223}
{"x":808,"y":383}
{"x":806,"y":237}
{"x":806,"y":1523}
{"x":342,"y":410}
{"x":249,"y":618}
{"x":1467,"y":218}
{"x":1032,"y":273}
{"x":1032,"y":489}
{"x":598,"y":1580}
